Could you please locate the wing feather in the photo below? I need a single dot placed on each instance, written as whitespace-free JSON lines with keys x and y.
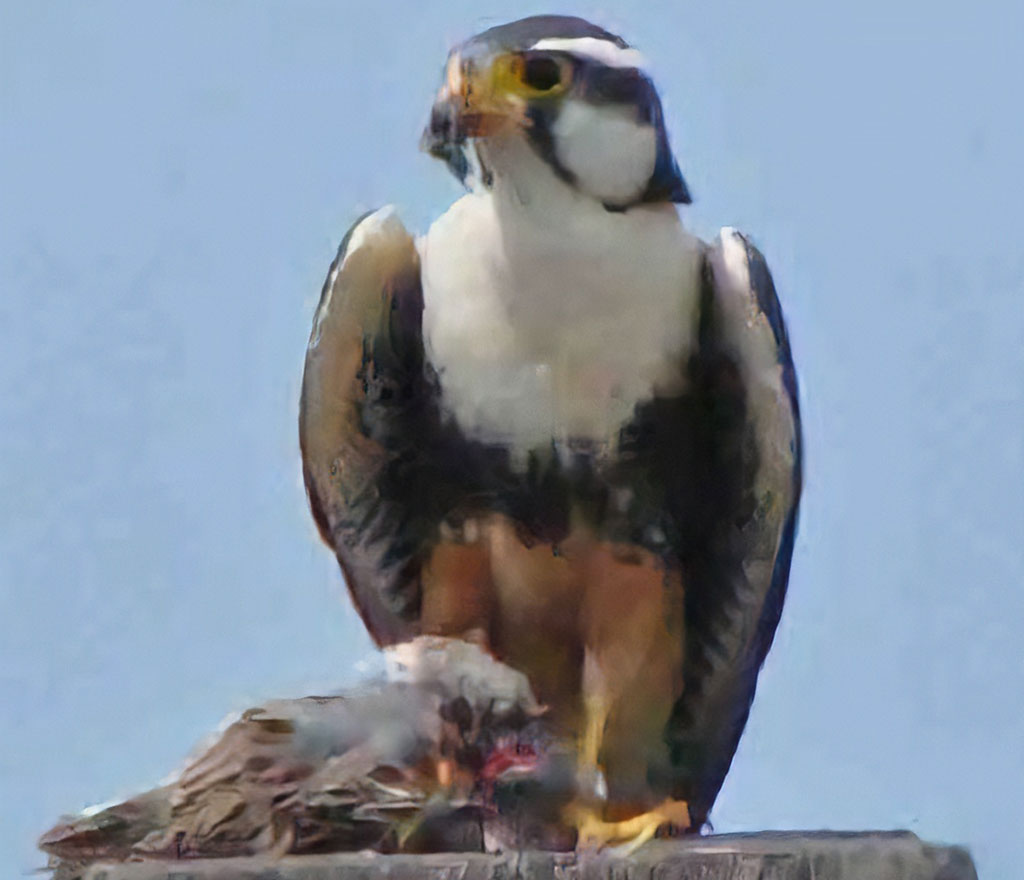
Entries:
{"x":362,"y":410}
{"x":748,"y":487}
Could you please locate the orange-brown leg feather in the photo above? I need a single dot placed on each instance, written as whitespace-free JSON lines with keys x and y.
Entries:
{"x":632,"y":629}
{"x":458,"y":592}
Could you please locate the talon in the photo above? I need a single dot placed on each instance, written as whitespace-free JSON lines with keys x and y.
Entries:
{"x":628,"y":835}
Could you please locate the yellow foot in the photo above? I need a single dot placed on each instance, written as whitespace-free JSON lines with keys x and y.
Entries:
{"x":628,"y":834}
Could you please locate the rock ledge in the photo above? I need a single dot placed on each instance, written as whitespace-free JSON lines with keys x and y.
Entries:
{"x":770,"y":855}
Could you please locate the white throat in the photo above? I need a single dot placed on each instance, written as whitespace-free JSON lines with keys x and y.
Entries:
{"x":547,"y":317}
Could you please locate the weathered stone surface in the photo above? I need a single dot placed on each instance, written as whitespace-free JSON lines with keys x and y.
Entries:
{"x":765,"y":856}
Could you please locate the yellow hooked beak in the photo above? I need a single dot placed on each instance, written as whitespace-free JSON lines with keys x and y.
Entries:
{"x":467,"y":106}
{"x":485,"y":97}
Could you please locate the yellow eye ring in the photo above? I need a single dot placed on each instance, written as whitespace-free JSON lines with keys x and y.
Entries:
{"x":532,"y":74}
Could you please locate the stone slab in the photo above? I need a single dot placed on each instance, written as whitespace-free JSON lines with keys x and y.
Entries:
{"x":795,"y":855}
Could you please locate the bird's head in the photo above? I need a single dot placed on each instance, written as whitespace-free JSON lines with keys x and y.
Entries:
{"x":575,"y":94}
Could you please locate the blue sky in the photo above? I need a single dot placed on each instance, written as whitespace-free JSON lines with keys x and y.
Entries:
{"x":174,"y":179}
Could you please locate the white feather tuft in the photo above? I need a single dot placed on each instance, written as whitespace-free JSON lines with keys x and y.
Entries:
{"x":459,"y":668}
{"x":604,"y":51}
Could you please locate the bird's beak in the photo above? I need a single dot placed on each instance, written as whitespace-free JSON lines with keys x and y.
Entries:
{"x":467,"y":106}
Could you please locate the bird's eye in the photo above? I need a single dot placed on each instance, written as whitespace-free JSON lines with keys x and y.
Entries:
{"x":531,"y":74}
{"x":541,"y":72}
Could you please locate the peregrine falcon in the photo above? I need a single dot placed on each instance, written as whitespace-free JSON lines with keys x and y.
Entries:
{"x":562,"y":427}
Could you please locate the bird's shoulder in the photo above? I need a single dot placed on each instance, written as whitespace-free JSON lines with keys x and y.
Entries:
{"x":377,"y":258}
{"x":374,"y":230}
{"x":744,"y":289}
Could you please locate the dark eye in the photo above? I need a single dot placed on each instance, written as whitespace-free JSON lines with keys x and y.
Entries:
{"x":541,"y":73}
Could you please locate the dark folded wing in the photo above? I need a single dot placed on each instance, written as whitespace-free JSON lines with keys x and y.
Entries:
{"x":365,"y":413}
{"x":743,"y":507}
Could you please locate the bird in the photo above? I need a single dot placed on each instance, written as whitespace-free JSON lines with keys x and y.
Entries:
{"x":444,"y":754}
{"x":561,"y":426}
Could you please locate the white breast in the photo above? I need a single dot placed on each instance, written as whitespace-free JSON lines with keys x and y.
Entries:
{"x":549,"y":318}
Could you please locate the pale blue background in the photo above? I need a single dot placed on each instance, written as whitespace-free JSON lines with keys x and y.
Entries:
{"x":175,"y":179}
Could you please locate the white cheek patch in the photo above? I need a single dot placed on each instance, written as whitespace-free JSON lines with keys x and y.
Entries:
{"x":611,"y":154}
{"x":603,"y":51}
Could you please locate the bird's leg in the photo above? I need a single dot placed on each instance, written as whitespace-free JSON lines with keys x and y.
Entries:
{"x":596,"y":707}
{"x":587,"y":813}
{"x":631,"y":679}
